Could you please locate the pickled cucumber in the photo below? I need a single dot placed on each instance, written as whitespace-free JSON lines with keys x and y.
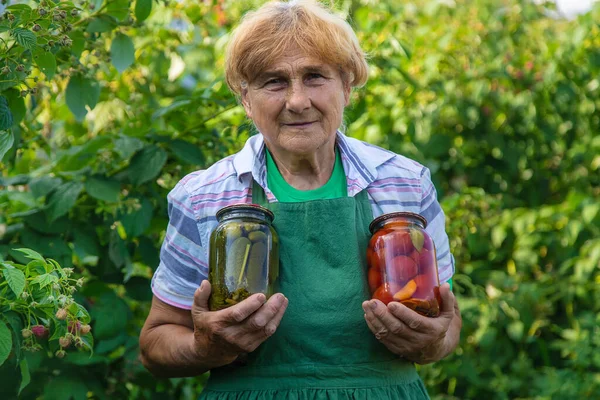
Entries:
{"x":236,"y":256}
{"x":257,"y":236}
{"x":255,"y":271}
{"x":233,"y":231}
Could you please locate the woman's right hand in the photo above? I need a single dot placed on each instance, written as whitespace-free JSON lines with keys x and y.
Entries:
{"x":226,"y":334}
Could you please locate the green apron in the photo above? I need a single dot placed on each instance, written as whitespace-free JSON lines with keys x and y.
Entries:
{"x":323,"y":348}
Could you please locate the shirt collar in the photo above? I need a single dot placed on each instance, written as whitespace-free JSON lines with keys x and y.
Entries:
{"x":360,"y":161}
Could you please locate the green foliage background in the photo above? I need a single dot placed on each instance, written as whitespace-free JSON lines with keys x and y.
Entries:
{"x":499,"y":98}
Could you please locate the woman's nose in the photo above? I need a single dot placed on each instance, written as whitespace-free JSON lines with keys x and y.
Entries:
{"x":298,"y":99}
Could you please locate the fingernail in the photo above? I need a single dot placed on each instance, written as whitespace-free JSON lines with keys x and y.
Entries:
{"x":262,"y":298}
{"x":373,"y":305}
{"x":202,"y":285}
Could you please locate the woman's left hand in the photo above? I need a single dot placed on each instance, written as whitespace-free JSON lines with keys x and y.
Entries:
{"x":412,"y":336}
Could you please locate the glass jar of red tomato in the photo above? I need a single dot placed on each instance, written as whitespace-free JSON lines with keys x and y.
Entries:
{"x":402,"y":263}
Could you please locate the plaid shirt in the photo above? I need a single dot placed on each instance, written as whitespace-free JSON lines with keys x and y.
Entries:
{"x":393,"y":183}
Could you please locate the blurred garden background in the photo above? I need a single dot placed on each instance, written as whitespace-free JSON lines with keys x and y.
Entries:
{"x":106,"y":104}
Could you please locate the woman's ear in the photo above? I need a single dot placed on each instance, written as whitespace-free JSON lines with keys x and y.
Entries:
{"x":246,"y":102}
{"x":347,"y":93}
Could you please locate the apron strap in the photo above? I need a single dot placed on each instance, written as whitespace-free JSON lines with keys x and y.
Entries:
{"x":258,"y":194}
{"x":259,"y":197}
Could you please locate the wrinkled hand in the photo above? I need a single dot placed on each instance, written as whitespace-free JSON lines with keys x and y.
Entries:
{"x":410,"y":335}
{"x":236,"y":330}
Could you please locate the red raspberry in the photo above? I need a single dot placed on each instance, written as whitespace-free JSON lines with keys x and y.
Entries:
{"x":40,"y":331}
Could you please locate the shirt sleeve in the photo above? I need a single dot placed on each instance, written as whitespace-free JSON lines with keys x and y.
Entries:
{"x":436,"y":226}
{"x":183,"y":264}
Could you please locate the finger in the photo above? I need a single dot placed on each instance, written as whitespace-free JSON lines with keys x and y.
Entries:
{"x":383,"y":319}
{"x":375,"y":325}
{"x":410,"y":318}
{"x":201,"y":296}
{"x":272,"y":325}
{"x":372,"y":327}
{"x":242,"y":310}
{"x":261,"y":318}
{"x":250,"y":341}
{"x":448,"y":300}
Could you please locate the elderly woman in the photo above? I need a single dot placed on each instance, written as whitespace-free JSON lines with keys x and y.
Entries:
{"x":294,"y":65}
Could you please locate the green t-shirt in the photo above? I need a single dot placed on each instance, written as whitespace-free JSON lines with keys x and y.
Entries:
{"x":335,"y":187}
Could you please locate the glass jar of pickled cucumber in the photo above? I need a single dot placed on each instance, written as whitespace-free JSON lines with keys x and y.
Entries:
{"x":244,"y":255}
{"x":402,"y":263}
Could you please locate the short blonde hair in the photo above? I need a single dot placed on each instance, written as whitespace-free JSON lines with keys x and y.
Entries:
{"x":265,"y":34}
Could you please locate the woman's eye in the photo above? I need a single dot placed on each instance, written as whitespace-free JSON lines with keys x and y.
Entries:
{"x":273,"y":82}
{"x":314,"y":75}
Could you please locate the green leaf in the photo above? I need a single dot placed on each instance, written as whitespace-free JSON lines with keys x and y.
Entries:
{"x":39,"y":223}
{"x":25,"y":376}
{"x":5,"y":342}
{"x":138,"y":221}
{"x":16,"y":325}
{"x":122,"y":52}
{"x":77,"y":157}
{"x":86,"y":242}
{"x":82,"y":359}
{"x":59,"y":331}
{"x":82,"y":92}
{"x":139,"y":288}
{"x":25,"y":38}
{"x":174,"y":106}
{"x":147,"y":164}
{"x":187,"y":152}
{"x":58,"y":268}
{"x":46,"y":62}
{"x":42,"y":186}
{"x":110,"y":315}
{"x":126,"y":146}
{"x":78,"y":43}
{"x":118,"y":9}
{"x":106,"y":346}
{"x":34,"y":255}
{"x":6,"y":117}
{"x":18,"y":7}
{"x":63,"y":199}
{"x":15,"y":278}
{"x":142,"y":9}
{"x":103,"y":189}
{"x":117,"y":250}
{"x":80,"y":313}
{"x":45,"y":280}
{"x":65,"y":387}
{"x":6,"y":142}
{"x":498,"y":235}
{"x":101,"y":24}
{"x":417,"y":238}
{"x":16,"y":104}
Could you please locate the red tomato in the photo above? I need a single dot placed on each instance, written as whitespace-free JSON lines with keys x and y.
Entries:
{"x":427,"y":242}
{"x":415,"y":255}
{"x":374,"y":279}
{"x":402,"y":243}
{"x":402,"y":269}
{"x":427,"y":261}
{"x":369,"y":257}
{"x":425,"y":287}
{"x":385,"y":292}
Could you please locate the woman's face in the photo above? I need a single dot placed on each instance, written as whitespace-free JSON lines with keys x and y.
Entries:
{"x":297,"y":103}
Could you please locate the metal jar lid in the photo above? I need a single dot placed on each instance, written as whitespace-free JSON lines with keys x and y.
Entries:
{"x":245,"y":207}
{"x":387,"y":216}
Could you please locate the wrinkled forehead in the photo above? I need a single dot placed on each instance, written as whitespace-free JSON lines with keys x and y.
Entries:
{"x":291,"y":57}
{"x":293,"y":62}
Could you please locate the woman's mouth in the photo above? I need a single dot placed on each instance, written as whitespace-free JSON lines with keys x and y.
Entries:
{"x":300,"y":124}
